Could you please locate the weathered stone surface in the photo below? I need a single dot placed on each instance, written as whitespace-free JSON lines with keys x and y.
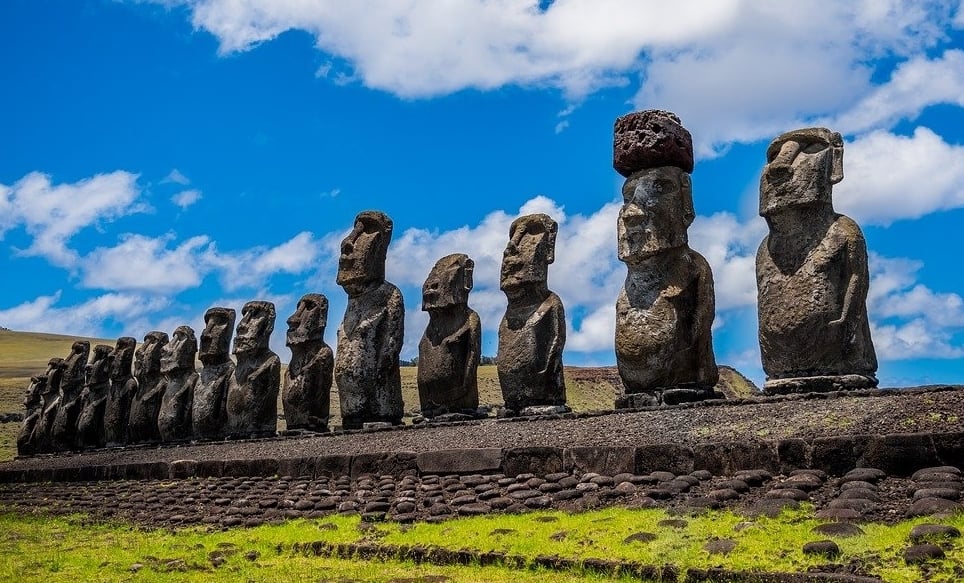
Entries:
{"x":812,"y":275}
{"x":900,"y":454}
{"x":608,"y":461}
{"x":28,"y":442}
{"x":142,"y":426}
{"x":93,"y":399}
{"x":665,"y":311}
{"x":460,"y":461}
{"x":536,"y":460}
{"x":306,"y":396}
{"x":448,"y":354}
{"x":178,"y":380}
{"x":532,"y":333}
{"x":209,"y":412}
{"x":252,"y":407}
{"x":50,"y":394}
{"x":371,"y":333}
{"x":649,"y":139}
{"x":666,"y":457}
{"x":63,"y":435}
{"x":123,"y":387}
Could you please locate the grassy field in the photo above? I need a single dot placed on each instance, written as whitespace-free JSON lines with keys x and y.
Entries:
{"x":37,"y":548}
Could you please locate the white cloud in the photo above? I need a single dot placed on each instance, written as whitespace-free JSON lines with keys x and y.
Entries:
{"x":53,"y":213}
{"x":729,"y":246}
{"x":146,"y":263}
{"x":176,"y":177}
{"x":85,"y":319}
{"x":252,"y":267}
{"x":334,"y":192}
{"x":889,"y":177}
{"x":186,"y":198}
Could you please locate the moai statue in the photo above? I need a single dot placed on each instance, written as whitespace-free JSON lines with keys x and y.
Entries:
{"x":665,"y":310}
{"x":63,"y":435}
{"x":27,"y":439}
{"x":448,"y":354}
{"x":123,"y":387}
{"x":142,"y":426}
{"x":90,"y":422}
{"x":533,"y":331}
{"x":210,"y":414}
{"x":252,"y":406}
{"x":811,"y":272}
{"x":178,"y":379}
{"x":307,"y":385}
{"x":50,"y":394}
{"x":370,"y":337}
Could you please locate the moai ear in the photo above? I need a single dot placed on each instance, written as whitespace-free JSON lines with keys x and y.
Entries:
{"x":551,"y":243}
{"x":836,"y":150}
{"x":468,"y":268}
{"x":686,"y":185}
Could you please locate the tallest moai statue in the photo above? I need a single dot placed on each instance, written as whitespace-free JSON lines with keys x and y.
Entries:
{"x":811,"y":272}
{"x":664,"y":313}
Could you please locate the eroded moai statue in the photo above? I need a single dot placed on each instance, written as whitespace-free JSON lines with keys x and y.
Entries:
{"x":209,"y":414}
{"x":50,"y":394}
{"x":370,"y":336}
{"x":306,"y":396}
{"x":252,"y":406}
{"x":27,"y":439}
{"x":63,"y":435}
{"x":448,"y":354}
{"x":142,"y":426}
{"x":123,"y":387}
{"x":532,"y":333}
{"x":665,"y":310}
{"x":90,"y":422}
{"x":811,"y":270}
{"x":178,"y":381}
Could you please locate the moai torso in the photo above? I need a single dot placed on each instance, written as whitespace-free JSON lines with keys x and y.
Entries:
{"x":209,"y":414}
{"x":665,"y":310}
{"x":63,"y":435}
{"x":532,"y":333}
{"x":142,"y":426}
{"x":178,"y":380}
{"x":90,"y":422}
{"x":812,"y":275}
{"x":123,"y":387}
{"x":27,"y":439}
{"x":252,"y":407}
{"x":306,"y":396}
{"x":448,"y":354}
{"x":370,"y":336}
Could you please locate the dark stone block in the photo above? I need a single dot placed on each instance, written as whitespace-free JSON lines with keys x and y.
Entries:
{"x":333,"y":466}
{"x":460,"y":461}
{"x":532,"y":460}
{"x":900,"y":454}
{"x":393,"y":463}
{"x":837,"y":455}
{"x":296,"y":466}
{"x":209,"y":469}
{"x":253,"y":467}
{"x":608,"y":461}
{"x":180,"y":469}
{"x":668,"y":457}
{"x":793,"y":454}
{"x":727,"y":458}
{"x":949,"y":448}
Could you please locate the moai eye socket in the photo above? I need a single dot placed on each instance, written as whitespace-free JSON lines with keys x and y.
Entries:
{"x":815,"y":147}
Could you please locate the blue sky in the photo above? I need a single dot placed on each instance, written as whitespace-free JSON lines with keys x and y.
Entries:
{"x":161,"y":157}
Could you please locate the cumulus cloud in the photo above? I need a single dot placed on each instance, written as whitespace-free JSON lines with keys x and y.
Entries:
{"x":158,"y":268}
{"x":252,"y":267}
{"x":889,"y":177}
{"x":87,"y":318}
{"x":53,"y":213}
{"x":186,"y":198}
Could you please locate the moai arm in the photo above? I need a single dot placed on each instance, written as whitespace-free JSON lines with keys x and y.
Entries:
{"x":858,"y":283}
{"x":708,"y":373}
{"x":473,"y":327}
{"x":555,"y":321}
{"x":394,"y":330}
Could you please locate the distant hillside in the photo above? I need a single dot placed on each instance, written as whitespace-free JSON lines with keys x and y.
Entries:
{"x":23,"y":354}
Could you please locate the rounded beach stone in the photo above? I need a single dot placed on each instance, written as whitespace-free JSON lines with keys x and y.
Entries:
{"x":824,"y":548}
{"x":922,"y":553}
{"x":925,"y":532}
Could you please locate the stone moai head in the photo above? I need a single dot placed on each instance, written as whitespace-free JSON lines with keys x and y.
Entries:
{"x":76,"y":364}
{"x":255,"y":327}
{"x":216,"y":336}
{"x":179,"y":352}
{"x":147,"y":357}
{"x":122,"y":357}
{"x":802,"y":167}
{"x":54,"y":374}
{"x":36,"y":389}
{"x":449,"y":283}
{"x":98,"y":369}
{"x":364,"y":250}
{"x":308,"y":322}
{"x":531,"y":248}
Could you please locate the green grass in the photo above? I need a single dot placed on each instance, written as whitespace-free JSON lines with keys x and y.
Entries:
{"x":36,"y":548}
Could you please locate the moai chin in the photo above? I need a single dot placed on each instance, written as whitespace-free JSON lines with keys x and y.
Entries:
{"x":50,"y":395}
{"x":209,"y":413}
{"x":90,"y":422}
{"x":370,"y":336}
{"x":532,"y":333}
{"x":665,"y":310}
{"x":27,"y":438}
{"x":812,"y":274}
{"x":448,"y":354}
{"x":123,"y":387}
{"x":252,"y":406}
{"x":142,"y":425}
{"x":63,"y":435}
{"x":306,"y":396}
{"x":178,"y":378}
